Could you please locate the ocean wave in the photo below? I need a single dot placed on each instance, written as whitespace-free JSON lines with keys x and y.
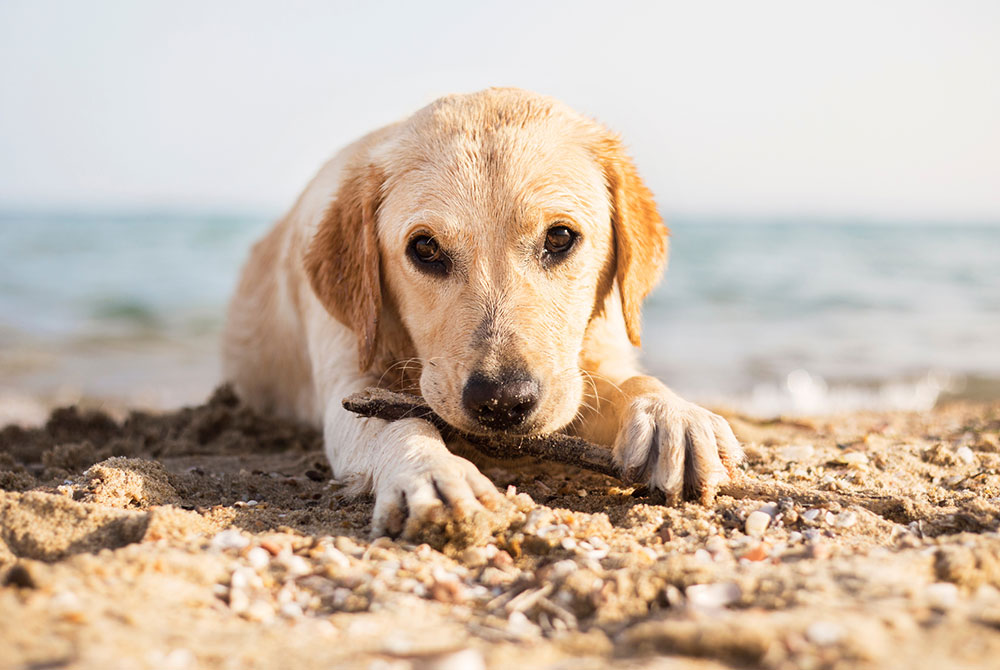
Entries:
{"x":803,"y":393}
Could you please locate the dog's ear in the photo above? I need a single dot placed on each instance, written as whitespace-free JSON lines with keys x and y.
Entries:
{"x":342,"y":261}
{"x":640,"y":235}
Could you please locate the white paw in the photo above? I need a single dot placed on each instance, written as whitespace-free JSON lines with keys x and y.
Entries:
{"x":677,"y":447}
{"x":434,"y":491}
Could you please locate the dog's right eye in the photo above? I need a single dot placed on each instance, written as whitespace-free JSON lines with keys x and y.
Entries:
{"x":427,"y":255}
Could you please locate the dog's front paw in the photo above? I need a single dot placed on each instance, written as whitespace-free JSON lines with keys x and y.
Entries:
{"x":676,"y":446}
{"x":434,"y":499}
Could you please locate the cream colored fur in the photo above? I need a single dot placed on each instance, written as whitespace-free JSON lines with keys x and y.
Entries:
{"x":330,"y":302}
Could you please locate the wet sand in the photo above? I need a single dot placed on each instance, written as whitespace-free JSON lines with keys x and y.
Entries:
{"x":213,"y":538}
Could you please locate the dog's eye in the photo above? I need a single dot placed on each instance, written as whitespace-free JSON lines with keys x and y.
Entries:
{"x":559,"y":240}
{"x":428,"y":255}
{"x":426,"y":249}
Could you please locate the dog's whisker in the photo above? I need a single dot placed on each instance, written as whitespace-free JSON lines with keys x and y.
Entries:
{"x":607,"y":380}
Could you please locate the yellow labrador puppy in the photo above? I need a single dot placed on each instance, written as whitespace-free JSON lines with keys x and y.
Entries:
{"x":492,"y":253}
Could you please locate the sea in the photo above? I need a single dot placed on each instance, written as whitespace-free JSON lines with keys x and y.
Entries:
{"x":768,"y":317}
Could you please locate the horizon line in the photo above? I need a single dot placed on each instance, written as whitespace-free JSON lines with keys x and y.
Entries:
{"x":261,"y":211}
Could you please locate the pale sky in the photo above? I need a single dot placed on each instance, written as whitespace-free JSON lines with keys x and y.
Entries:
{"x":873,"y":109}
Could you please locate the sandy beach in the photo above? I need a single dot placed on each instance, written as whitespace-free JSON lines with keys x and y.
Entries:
{"x":213,"y":538}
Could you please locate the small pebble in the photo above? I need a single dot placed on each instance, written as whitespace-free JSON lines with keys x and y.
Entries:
{"x":258,"y":558}
{"x":758,"y":553}
{"x":965,"y":455}
{"x":492,"y":577}
{"x":259,"y":610}
{"x":824,"y":633}
{"x":519,"y":624}
{"x":757,"y":523}
{"x":65,"y":602}
{"x":291,"y":610}
{"x":501,"y":560}
{"x":537,"y":518}
{"x":348,"y":546}
{"x":244,"y":578}
{"x":271,"y":547}
{"x":811,"y":515}
{"x":333,"y":556}
{"x":448,"y":591}
{"x":562,"y":569}
{"x":239,"y":601}
{"x":771,"y":509}
{"x":597,"y":543}
{"x":229,"y":539}
{"x":717,"y":545}
{"x":475,"y":556}
{"x":295,"y":566}
{"x":942,"y":595}
{"x":853,"y":458}
{"x":713,"y":596}
{"x":846,"y":519}
{"x":819,"y":550}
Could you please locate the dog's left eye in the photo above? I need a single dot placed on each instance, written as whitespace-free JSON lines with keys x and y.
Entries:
{"x":559,"y":240}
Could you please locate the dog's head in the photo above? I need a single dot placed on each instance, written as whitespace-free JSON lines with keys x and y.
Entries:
{"x":494,"y":228}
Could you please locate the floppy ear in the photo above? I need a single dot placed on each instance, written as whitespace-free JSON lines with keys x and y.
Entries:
{"x":640,"y":235}
{"x":342,"y":261}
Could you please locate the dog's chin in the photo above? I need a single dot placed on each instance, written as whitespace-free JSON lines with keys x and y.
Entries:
{"x":523,"y":430}
{"x":467,"y":426}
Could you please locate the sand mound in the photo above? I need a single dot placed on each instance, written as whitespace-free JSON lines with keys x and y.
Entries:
{"x":50,"y":527}
{"x":128,"y":482}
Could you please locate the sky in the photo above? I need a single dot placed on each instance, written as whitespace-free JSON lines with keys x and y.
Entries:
{"x":886,"y":110}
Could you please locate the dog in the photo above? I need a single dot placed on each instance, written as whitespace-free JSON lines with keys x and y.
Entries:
{"x":491,"y":252}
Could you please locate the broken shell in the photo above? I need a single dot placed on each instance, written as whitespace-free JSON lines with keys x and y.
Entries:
{"x":756,"y":523}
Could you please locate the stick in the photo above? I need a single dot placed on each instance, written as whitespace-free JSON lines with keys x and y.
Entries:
{"x":392,"y":406}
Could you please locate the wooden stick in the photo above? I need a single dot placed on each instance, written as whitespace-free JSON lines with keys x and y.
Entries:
{"x":391,"y":406}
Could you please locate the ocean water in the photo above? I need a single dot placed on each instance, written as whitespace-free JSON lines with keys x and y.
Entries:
{"x":767,"y":317}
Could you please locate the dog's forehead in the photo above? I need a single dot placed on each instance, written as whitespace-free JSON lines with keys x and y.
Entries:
{"x":508,"y":174}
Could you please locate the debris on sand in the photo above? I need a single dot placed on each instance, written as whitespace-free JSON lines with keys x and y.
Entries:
{"x":212,"y":536}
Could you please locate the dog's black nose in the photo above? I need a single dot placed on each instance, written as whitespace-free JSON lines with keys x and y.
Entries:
{"x":499,"y":404}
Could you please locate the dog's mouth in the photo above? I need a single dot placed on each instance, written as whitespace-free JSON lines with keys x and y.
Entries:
{"x":393,"y":405}
{"x":485,"y":425}
{"x":526,"y":430}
